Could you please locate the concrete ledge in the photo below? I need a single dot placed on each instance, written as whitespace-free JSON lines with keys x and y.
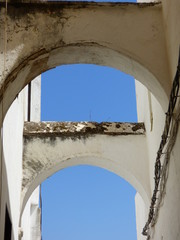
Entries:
{"x":77,"y":4}
{"x":82,"y":128}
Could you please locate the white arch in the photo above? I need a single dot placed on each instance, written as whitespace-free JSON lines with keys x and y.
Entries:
{"x":92,"y":161}
{"x":127,"y":156}
{"x":83,"y":54}
{"x":85,"y":33}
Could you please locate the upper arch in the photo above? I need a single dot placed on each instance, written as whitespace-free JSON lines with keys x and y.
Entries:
{"x":47,"y":35}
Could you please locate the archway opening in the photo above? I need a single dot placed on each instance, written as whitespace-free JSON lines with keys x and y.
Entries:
{"x":110,"y":82}
{"x":88,"y":203}
{"x":28,"y":78}
{"x":84,"y":92}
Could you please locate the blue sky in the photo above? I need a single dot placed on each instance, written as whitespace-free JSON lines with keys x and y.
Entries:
{"x":85,"y":202}
{"x":87,"y":93}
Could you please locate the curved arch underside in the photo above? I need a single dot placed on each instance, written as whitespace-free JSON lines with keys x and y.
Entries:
{"x":125,"y":36}
{"x":119,"y":148}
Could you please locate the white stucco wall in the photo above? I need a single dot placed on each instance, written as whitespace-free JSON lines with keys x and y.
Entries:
{"x":168,"y":224}
{"x":12,"y":157}
{"x":150,"y":112}
{"x":159,"y":56}
{"x":171,"y":21}
{"x":141,"y":215}
{"x":12,"y":164}
{"x":30,"y":220}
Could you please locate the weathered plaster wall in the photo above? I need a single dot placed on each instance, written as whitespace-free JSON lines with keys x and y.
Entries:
{"x":12,"y":158}
{"x":142,"y":40}
{"x":12,"y":165}
{"x":31,"y":218}
{"x":150,"y":112}
{"x":30,"y":222}
{"x":168,"y":224}
{"x":141,"y":216}
{"x":113,"y":34}
{"x":171,"y":27}
{"x":47,"y":152}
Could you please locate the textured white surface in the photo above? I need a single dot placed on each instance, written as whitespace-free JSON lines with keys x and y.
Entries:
{"x":125,"y":155}
{"x":109,"y":34}
{"x":140,"y":40}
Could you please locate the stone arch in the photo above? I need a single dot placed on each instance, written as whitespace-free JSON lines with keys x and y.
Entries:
{"x":45,"y":156}
{"x":87,"y":160}
{"x":94,"y":54}
{"x":85,"y":33}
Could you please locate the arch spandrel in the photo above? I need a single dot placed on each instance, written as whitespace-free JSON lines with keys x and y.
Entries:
{"x":125,"y":36}
{"x":120,"y":148}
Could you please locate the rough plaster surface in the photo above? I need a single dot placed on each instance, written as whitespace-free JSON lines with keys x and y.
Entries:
{"x":12,"y":166}
{"x":118,"y":147}
{"x":81,"y":128}
{"x":144,"y":42}
{"x":141,"y":216}
{"x":110,"y":34}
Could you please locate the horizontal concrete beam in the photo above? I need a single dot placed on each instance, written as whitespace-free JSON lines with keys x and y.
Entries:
{"x":42,"y":129}
{"x":77,"y":3}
